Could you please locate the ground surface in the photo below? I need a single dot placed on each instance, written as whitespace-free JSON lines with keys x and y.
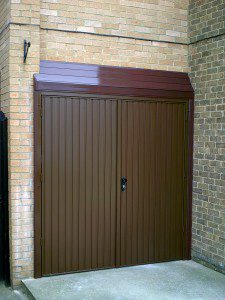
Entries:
{"x":7,"y":293}
{"x":167,"y":281}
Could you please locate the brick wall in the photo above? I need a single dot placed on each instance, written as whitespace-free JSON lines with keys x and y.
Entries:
{"x":4,"y":71}
{"x":17,"y":102}
{"x":121,"y":33}
{"x":206,"y":19}
{"x":133,"y":21}
{"x":153,"y":19}
{"x":112,"y":51}
{"x":87,"y":32}
{"x":4,"y":54}
{"x":207,"y":63}
{"x":4,"y":13}
{"x":21,"y":149}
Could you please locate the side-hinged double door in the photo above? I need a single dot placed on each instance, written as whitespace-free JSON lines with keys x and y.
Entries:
{"x":113,"y":182}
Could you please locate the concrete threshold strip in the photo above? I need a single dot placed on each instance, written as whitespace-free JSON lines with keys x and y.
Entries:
{"x":171,"y":280}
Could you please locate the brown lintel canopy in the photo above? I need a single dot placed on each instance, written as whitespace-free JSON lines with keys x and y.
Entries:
{"x":109,"y":80}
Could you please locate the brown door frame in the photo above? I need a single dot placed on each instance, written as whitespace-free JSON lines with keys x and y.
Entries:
{"x":37,"y":186}
{"x":42,"y":87}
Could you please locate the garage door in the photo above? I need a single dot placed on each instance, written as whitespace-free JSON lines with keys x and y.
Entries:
{"x":113,"y":182}
{"x":153,"y":159}
{"x":112,"y":167}
{"x":79,"y":151}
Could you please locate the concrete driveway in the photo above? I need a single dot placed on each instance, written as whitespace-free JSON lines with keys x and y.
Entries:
{"x":172,"y":280}
{"x":7,"y":293}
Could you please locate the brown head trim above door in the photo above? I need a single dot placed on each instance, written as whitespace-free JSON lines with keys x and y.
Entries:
{"x":107,"y":80}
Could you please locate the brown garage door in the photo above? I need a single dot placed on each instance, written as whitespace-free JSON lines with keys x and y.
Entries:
{"x":79,"y":183}
{"x":153,"y":159}
{"x":88,"y":145}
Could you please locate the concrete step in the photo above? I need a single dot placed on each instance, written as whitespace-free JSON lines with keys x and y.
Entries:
{"x":184,"y":280}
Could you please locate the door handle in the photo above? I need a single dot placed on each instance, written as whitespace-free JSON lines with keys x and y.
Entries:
{"x":123,"y":183}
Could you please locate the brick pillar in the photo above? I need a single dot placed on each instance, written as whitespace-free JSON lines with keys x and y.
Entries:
{"x":21,"y":200}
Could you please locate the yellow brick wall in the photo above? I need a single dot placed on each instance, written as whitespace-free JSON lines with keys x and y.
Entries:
{"x":64,"y":46}
{"x":152,"y":19}
{"x":21,"y":149}
{"x":156,"y":20}
{"x":26,"y":11}
{"x":54,"y":29}
{"x":4,"y":54}
{"x":17,"y":102}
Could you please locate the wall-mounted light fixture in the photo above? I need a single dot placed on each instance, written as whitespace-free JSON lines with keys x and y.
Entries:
{"x":26,"y":47}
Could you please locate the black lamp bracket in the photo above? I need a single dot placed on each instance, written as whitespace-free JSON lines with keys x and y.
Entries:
{"x":26,"y":47}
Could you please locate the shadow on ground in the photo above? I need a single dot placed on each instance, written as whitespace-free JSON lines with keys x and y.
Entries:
{"x":7,"y":293}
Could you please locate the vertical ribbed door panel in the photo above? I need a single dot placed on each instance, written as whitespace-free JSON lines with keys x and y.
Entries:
{"x":78,"y":183}
{"x":88,"y":144}
{"x":153,"y":159}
